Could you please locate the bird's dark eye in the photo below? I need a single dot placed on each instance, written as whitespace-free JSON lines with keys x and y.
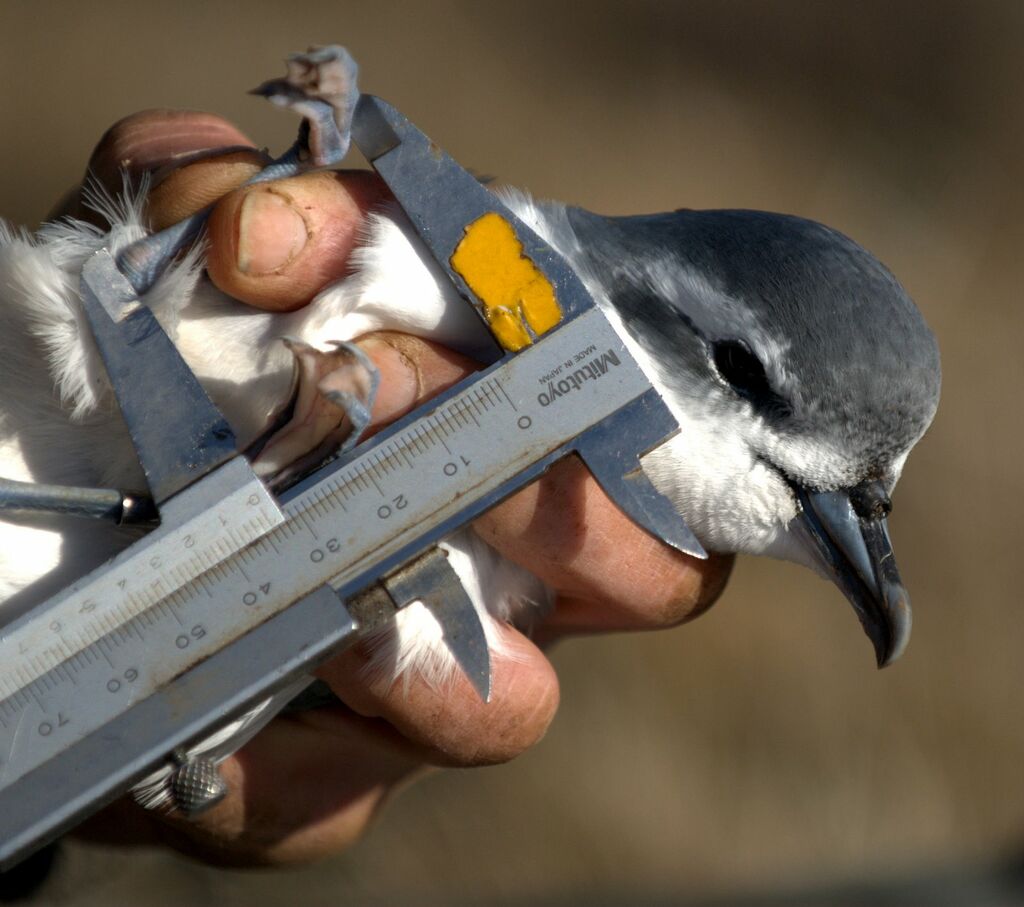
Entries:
{"x":740,"y":367}
{"x":746,"y":375}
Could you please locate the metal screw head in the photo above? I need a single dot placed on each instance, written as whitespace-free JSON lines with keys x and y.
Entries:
{"x":197,"y":786}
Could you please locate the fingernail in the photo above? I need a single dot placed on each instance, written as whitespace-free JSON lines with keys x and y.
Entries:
{"x":271,"y":232}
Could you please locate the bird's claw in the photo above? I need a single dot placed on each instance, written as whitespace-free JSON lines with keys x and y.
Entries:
{"x":353,"y":388}
{"x":334,"y":397}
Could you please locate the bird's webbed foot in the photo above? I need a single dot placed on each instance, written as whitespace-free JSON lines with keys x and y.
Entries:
{"x":334,"y":395}
{"x":321,"y":86}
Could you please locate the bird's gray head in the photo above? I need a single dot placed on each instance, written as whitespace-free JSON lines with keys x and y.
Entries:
{"x":801,"y":374}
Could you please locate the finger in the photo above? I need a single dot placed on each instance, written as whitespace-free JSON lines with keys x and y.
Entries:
{"x":447,"y":723}
{"x":611,"y":574}
{"x":189,"y":188}
{"x":411,"y":370}
{"x":270,"y":814}
{"x":276,"y":245}
{"x":690,"y":589}
{"x":152,"y":139}
{"x":273,"y":245}
{"x":147,"y":141}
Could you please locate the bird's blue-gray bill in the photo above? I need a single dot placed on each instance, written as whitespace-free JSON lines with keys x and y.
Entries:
{"x":846,"y":531}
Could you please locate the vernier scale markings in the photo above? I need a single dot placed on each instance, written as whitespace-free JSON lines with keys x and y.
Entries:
{"x":339,"y":524}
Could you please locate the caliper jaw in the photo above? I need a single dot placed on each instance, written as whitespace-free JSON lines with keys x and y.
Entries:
{"x":615,"y":464}
{"x":177,"y":432}
{"x":430,"y":579}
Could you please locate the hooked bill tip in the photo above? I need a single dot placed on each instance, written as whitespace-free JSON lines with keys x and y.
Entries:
{"x":890,"y":646}
{"x":851,"y":543}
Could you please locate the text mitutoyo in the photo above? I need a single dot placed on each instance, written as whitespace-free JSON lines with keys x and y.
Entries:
{"x":591,"y":371}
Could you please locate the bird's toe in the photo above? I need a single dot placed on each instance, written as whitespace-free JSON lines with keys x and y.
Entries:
{"x":332,"y":403}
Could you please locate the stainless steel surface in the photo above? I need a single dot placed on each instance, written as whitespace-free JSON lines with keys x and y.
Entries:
{"x":93,"y":771}
{"x":93,"y":503}
{"x":430,"y":579}
{"x":178,"y":434}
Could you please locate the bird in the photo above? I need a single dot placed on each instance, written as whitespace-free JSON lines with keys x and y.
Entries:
{"x":798,"y":368}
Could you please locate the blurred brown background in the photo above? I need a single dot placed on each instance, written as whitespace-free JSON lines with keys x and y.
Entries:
{"x":756,"y":753}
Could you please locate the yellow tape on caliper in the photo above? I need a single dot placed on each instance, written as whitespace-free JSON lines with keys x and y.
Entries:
{"x":513,"y":290}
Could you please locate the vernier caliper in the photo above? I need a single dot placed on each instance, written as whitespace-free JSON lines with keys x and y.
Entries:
{"x":237,"y":593}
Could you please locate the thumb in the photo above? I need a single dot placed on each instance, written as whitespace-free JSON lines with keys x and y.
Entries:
{"x":276,"y":245}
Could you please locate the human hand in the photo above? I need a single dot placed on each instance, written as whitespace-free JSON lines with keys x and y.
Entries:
{"x":310,"y":782}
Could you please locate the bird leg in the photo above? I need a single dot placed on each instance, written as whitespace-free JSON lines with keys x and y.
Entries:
{"x":334,"y":395}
